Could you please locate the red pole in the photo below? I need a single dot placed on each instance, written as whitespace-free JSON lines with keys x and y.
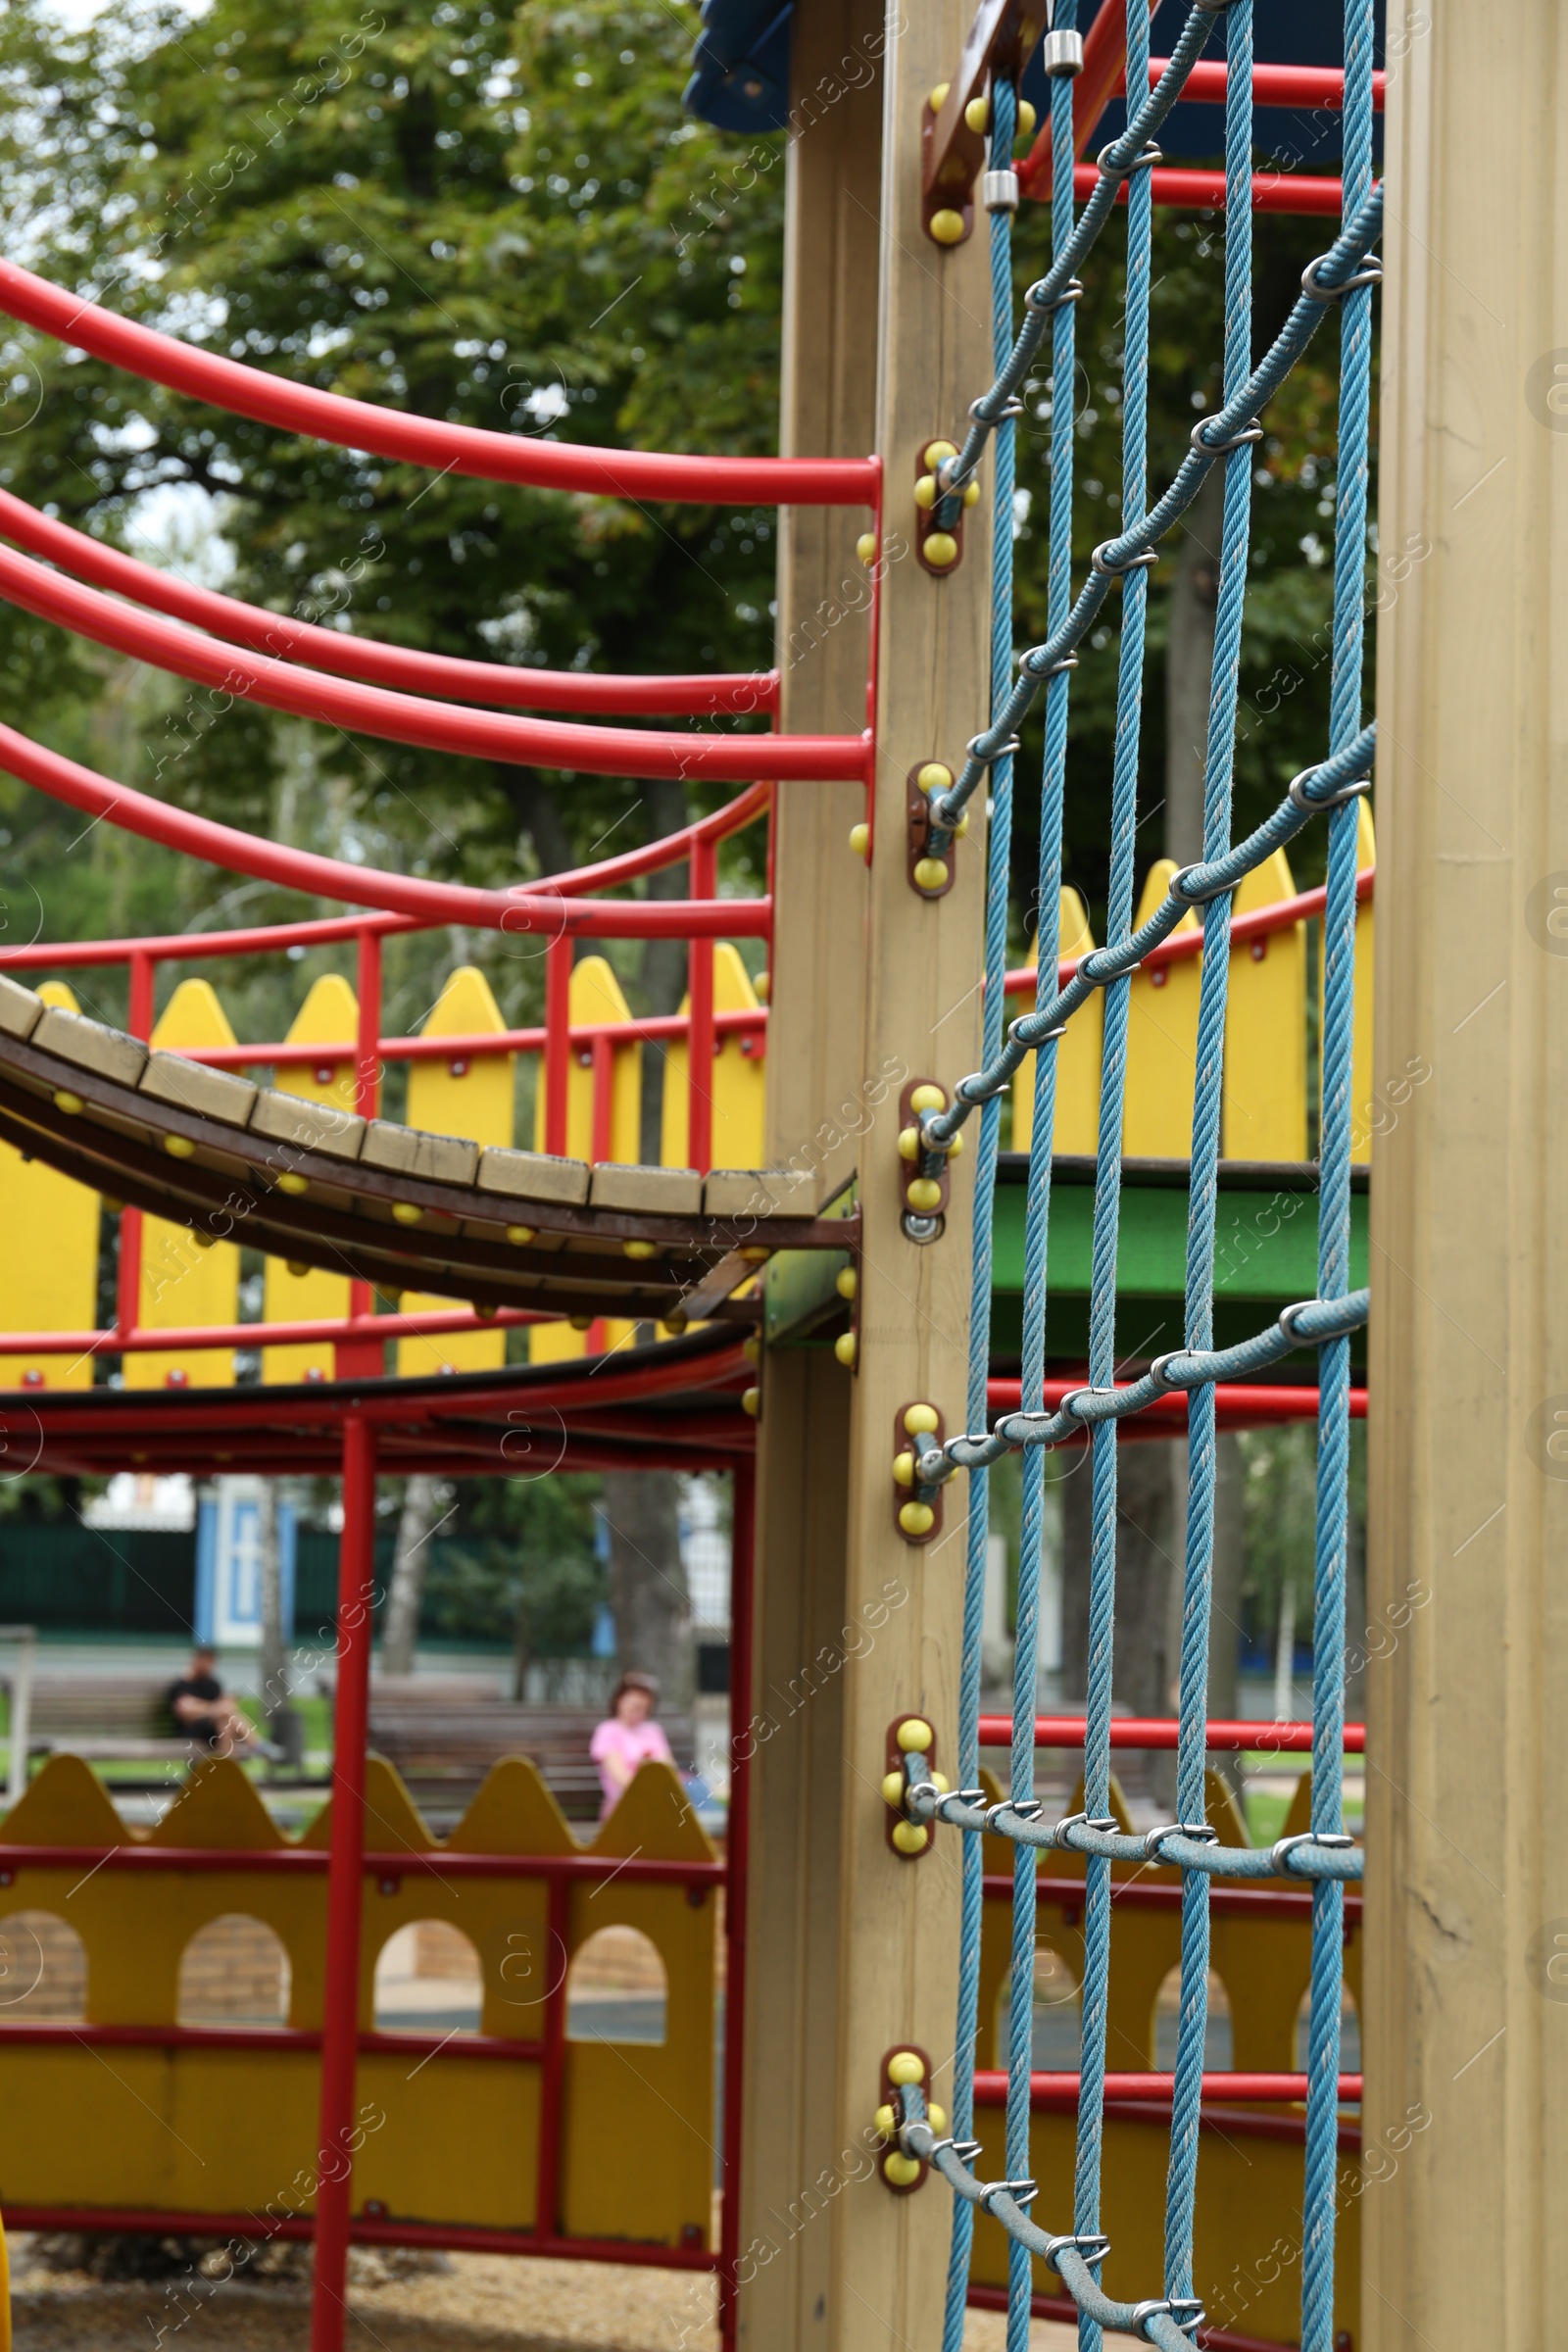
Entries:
{"x":700,"y":1050}
{"x":340,"y":2010}
{"x":557,"y":1042}
{"x":552,"y":2070}
{"x":742,"y":1562}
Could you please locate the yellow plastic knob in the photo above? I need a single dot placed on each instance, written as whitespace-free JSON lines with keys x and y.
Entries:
{"x":72,"y":1104}
{"x":288,"y":1182}
{"x":846,"y":1282}
{"x":937,"y":2118}
{"x":866,"y":549}
{"x":912,"y":1837}
{"x":901,"y":2171}
{"x":673,"y":1324}
{"x":1026,"y":120}
{"x":935,"y":452}
{"x":941,"y":1783}
{"x":752,"y":1348}
{"x":925,"y":493}
{"x":938,"y":98}
{"x":947,"y":226}
{"x":752,"y":1401}
{"x":916,"y":1518}
{"x":909,"y":1142}
{"x":846,"y":1348}
{"x":924,"y":1196}
{"x":957,"y":1145}
{"x":893,"y":1787}
{"x":521,"y":1234}
{"x":904,"y":2067}
{"x":859,"y":838}
{"x":486,"y":1314}
{"x":296,"y":1265}
{"x":971,"y":494}
{"x":930,"y":874}
{"x":406,"y":1213}
{"x":934,"y":777}
{"x":178,"y":1147}
{"x":913,"y":1735}
{"x":640,"y":1249}
{"x":928,"y":1097}
{"x":962,"y":828}
{"x":977,"y":113}
{"x":886,"y":2120}
{"x":209,"y":1241}
{"x":941,"y":550}
{"x":764,"y":985}
{"x":903,"y":1469}
{"x":921,"y":1420}
{"x":757,"y":1256}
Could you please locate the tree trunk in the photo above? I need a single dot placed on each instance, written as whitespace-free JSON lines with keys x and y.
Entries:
{"x":1189,"y":662}
{"x":273,"y":1661}
{"x":648,"y":1596}
{"x":409,"y":1563}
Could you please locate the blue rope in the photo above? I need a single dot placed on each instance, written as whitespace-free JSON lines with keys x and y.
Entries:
{"x":999,"y":847}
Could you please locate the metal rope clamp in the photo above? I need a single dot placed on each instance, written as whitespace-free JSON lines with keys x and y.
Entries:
{"x":1312,"y":286}
{"x":1286,"y":1320}
{"x":1022,"y":2192}
{"x":1150,"y":155}
{"x":1335,"y":1841}
{"x":998,"y":191}
{"x":965,"y":2150}
{"x":1157,"y":1373}
{"x":1090,"y":2246}
{"x":1186,"y":2310}
{"x":1178,"y":886}
{"x":1105,"y":1822}
{"x":1201,"y":1833}
{"x":1100,"y":562}
{"x":1300,"y":798}
{"x":1025,"y":1808}
{"x":1072,"y":291}
{"x":1062,"y":54}
{"x":1219,"y":449}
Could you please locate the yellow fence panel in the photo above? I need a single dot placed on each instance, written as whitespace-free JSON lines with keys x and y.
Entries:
{"x":183,"y":1283}
{"x":1265,"y":1029}
{"x":1162,"y":1040}
{"x":738,"y":1078}
{"x":52,"y":1287}
{"x":1077,"y":1123}
{"x":328,"y":1016}
{"x":595,"y":997}
{"x":471,"y":1096}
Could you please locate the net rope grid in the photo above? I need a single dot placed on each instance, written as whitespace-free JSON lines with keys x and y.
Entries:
{"x":1325,"y":1856}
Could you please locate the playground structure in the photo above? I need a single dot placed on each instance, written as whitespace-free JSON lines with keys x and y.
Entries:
{"x":842,"y":1903}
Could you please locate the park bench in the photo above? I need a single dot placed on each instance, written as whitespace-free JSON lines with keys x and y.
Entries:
{"x":108,"y":1718}
{"x":443,"y":1737}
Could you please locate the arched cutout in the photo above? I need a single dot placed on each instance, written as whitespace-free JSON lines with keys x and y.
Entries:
{"x":429,"y":1980}
{"x":1217,"y":2041}
{"x":43,"y":1971}
{"x":1058,"y":2023}
{"x":616,"y":1990}
{"x":234,"y":1972}
{"x":1350,"y":2031}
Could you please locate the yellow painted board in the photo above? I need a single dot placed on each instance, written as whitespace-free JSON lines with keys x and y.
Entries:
{"x":595,"y":996}
{"x":328,"y":1016}
{"x":1265,"y":1029}
{"x":738,"y":1078}
{"x":471,"y":1096}
{"x":52,"y":1286}
{"x":1077,"y":1122}
{"x":1162,"y":1040}
{"x":183,"y":1283}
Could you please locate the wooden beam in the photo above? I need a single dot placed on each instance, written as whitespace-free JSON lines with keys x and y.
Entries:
{"x":1466,"y":2029}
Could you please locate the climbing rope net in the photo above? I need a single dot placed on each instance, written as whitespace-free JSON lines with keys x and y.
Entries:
{"x":1341,"y":281}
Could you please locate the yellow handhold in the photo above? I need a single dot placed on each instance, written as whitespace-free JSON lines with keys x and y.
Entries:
{"x":934,"y":777}
{"x":909,"y":1142}
{"x":288,"y":1182}
{"x":928,"y":1097}
{"x":916,"y":1518}
{"x":581,"y":1322}
{"x":900,"y":2170}
{"x":924,"y":1195}
{"x":1026,"y":120}
{"x":764,"y":984}
{"x":912,"y":1837}
{"x":847,"y":1282}
{"x":922,"y":1420}
{"x":941,"y":550}
{"x":752,"y":1401}
{"x":886,"y":2120}
{"x":925,"y":493}
{"x":977,"y":113}
{"x":205,"y":1241}
{"x":935,"y":452}
{"x":947,"y":226}
{"x":296,"y":1265}
{"x":940,"y":1783}
{"x":859,"y":838}
{"x":522,"y":1235}
{"x":759,"y":1256}
{"x":846,"y":1348}
{"x":866,"y":549}
{"x":407,"y":1212}
{"x":752,"y":1348}
{"x":893,"y":1787}
{"x":640,"y":1249}
{"x":178,"y":1147}
{"x":72,"y":1104}
{"x":930,"y":874}
{"x":672,"y":1325}
{"x":903,"y":1469}
{"x":913,"y":1735}
{"x":937,"y":2118}
{"x":971,"y":494}
{"x":906,"y":2067}
{"x":962,"y":828}
{"x":956,"y":1145}
{"x":938,"y":97}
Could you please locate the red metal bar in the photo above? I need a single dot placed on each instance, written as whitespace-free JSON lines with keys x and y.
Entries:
{"x":700,"y":1047}
{"x":1160,"y":1731}
{"x":553,"y":2074}
{"x":742,"y":1582}
{"x":1272,"y":85}
{"x":414,"y":718}
{"x":1060,"y":2091}
{"x":404,"y":1862}
{"x":364,"y":2230}
{"x":281,"y":638}
{"x":1188,"y":190}
{"x":558,"y":1046}
{"x":1238,"y":1403}
{"x":518,"y":912}
{"x":1226,"y":1899}
{"x":473,"y":1046}
{"x":423,"y":441}
{"x":364,"y":1330}
{"x":340,"y":2008}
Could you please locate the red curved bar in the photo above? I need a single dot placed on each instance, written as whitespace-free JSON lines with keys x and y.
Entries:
{"x":1272,"y":85}
{"x":423,"y":440}
{"x":1160,"y":1731}
{"x":286,"y":639}
{"x":991,"y":2088}
{"x":519,"y":912}
{"x":1190,"y":191}
{"x":411,"y":718}
{"x":1237,"y":1405}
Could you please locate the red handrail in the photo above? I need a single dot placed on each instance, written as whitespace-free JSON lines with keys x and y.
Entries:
{"x":422,"y":440}
{"x":1160,"y":1731}
{"x":282,"y":637}
{"x":1240,"y":1404}
{"x":414,"y":718}
{"x":1272,"y":85}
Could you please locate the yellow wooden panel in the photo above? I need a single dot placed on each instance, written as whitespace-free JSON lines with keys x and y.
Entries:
{"x":1161,"y":1042}
{"x":51,"y":1285}
{"x":328,"y":1016}
{"x":738,"y":1080}
{"x":183,"y":1283}
{"x":595,"y":996}
{"x":471,"y":1095}
{"x":1077,"y":1122}
{"x":1265,"y":1029}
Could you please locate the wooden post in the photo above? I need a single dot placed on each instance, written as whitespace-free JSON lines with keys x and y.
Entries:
{"x":1466,"y":1983}
{"x":850,"y":1950}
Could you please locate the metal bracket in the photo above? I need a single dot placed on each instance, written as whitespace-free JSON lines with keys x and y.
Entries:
{"x":890,"y":2098}
{"x":999,"y":43}
{"x":904,"y":1440}
{"x":925,"y":523}
{"x":924,"y":1206}
{"x":895,"y":1817}
{"x":918,"y":833}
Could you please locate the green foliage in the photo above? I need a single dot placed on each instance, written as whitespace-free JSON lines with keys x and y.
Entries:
{"x":519,"y":1566}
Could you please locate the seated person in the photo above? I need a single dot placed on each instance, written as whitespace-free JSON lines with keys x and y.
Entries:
{"x":628,"y":1737}
{"x":200,"y":1708}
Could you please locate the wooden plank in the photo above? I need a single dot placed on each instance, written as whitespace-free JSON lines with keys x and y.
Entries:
{"x":1467,"y":1806}
{"x":471,"y":1095}
{"x":312,"y":1106}
{"x":182,"y":1284}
